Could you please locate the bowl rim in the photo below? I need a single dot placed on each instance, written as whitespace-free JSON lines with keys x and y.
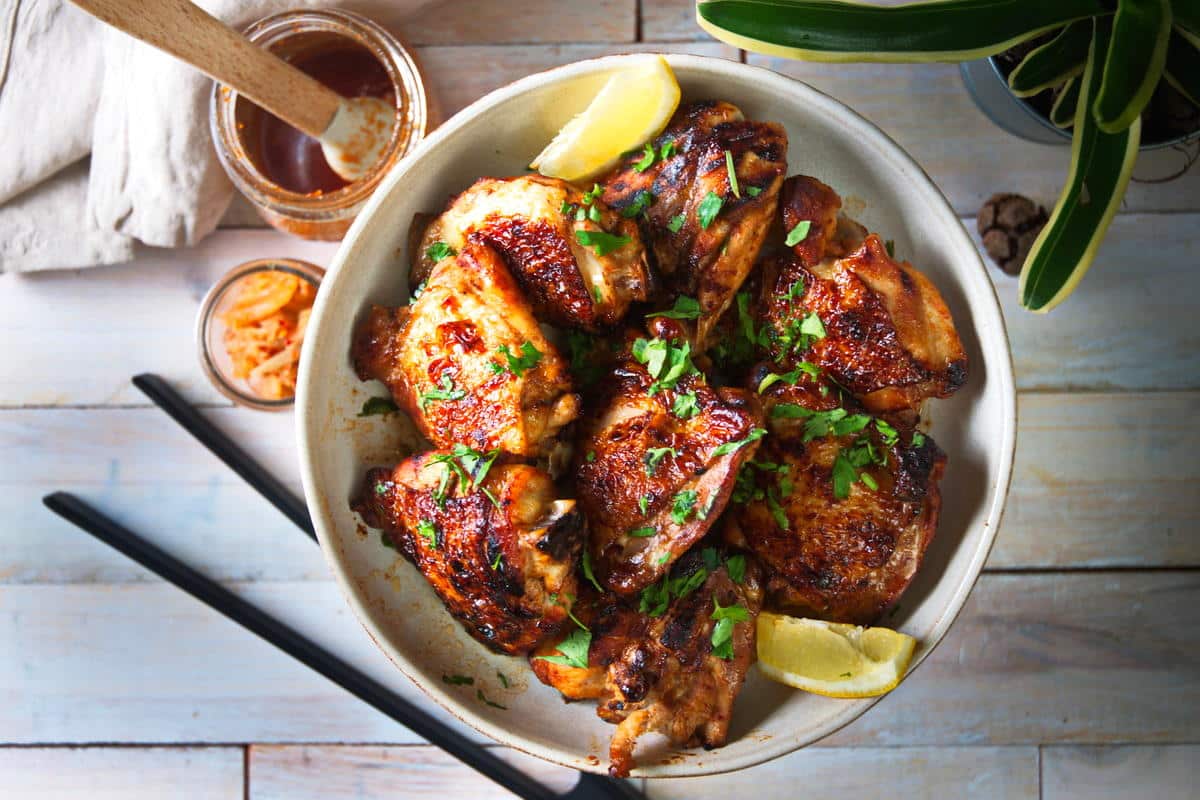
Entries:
{"x":992,"y":325}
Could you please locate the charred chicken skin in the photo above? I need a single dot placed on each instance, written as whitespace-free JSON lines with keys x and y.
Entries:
{"x":579,"y":261}
{"x":704,"y":223}
{"x":468,"y":362}
{"x":888,"y":336}
{"x":492,"y":540}
{"x":675,"y":663}
{"x":656,"y":465}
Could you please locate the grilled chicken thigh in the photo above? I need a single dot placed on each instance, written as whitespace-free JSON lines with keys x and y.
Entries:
{"x":493,"y":540}
{"x":580,"y":262}
{"x":468,"y":362}
{"x":657,"y":462}
{"x":705,"y":225}
{"x":838,"y":505}
{"x":888,"y":336}
{"x":671,"y":665}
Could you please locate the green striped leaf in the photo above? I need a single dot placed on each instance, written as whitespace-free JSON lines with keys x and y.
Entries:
{"x":1062,"y":113}
{"x":1182,"y":69}
{"x":1101,"y":164}
{"x":1058,"y":59}
{"x":1134,"y":66}
{"x":943,"y":30}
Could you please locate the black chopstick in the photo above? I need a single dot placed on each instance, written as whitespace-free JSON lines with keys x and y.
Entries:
{"x":220,"y":599}
{"x":223,"y":448}
{"x":589,"y":787}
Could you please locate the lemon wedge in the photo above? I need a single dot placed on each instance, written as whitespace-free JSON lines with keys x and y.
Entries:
{"x":631,"y":108}
{"x":830,"y":658}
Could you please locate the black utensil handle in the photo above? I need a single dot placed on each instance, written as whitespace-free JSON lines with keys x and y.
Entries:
{"x":220,"y":599}
{"x":220,"y":445}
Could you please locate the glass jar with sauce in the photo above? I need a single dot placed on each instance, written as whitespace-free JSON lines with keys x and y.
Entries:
{"x":281,"y":170}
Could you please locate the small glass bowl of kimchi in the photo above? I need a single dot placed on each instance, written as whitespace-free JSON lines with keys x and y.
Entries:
{"x":251,"y":327}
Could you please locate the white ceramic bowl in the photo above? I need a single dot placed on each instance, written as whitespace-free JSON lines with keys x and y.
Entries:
{"x":498,"y":135}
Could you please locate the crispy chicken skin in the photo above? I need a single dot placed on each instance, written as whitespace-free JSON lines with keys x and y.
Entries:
{"x":844,"y":560}
{"x":890,"y":338}
{"x":708,"y":263}
{"x":659,"y":673}
{"x":504,"y":569}
{"x":533,"y":221}
{"x":441,"y":359}
{"x":637,"y":453}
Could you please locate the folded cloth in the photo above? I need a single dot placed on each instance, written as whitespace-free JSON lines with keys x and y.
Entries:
{"x":70,"y":86}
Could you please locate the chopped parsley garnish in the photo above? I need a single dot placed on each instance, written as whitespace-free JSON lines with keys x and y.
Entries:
{"x":657,"y":596}
{"x":868,"y":481}
{"x":685,"y":406}
{"x":665,"y":361}
{"x":675,"y":223}
{"x":790,"y":378}
{"x":381,"y":488}
{"x":708,"y":209}
{"x":850,"y":460}
{"x":377,"y":405}
{"x":812,"y":326}
{"x":529,"y":358}
{"x":918,"y":439}
{"x":428,"y":531}
{"x":642,"y":200}
{"x":753,"y":191}
{"x":745,"y":487}
{"x":483,"y":699}
{"x":649,"y":156}
{"x":644,"y":504}
{"x":502,"y":678}
{"x":568,"y":209}
{"x":439,"y":250}
{"x":776,"y":509}
{"x":796,"y":290}
{"x":736,"y":566}
{"x":730,"y":447}
{"x":470,"y":466}
{"x":722,"y":635}
{"x":667,"y":150}
{"x":733,"y":183}
{"x":643,"y":532}
{"x":798,"y":234}
{"x":586,"y":562}
{"x":447,"y":392}
{"x":683,"y":506}
{"x":890,"y":246}
{"x":582,"y":367}
{"x":887,"y":433}
{"x":495,"y":565}
{"x":685,"y":308}
{"x":597,"y":293}
{"x":654,"y":457}
{"x":458,"y":680}
{"x":590,"y":457}
{"x":593,"y":213}
{"x":593,"y":195}
{"x":573,"y":649}
{"x":601,"y":242}
{"x":836,"y":421}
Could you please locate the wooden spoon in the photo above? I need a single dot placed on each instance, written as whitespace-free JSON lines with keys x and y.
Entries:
{"x":353,"y":132}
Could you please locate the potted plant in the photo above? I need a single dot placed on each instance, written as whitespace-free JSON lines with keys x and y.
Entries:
{"x":1103,"y":59}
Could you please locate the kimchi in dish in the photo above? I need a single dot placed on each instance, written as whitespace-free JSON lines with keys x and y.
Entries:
{"x":656,"y":406}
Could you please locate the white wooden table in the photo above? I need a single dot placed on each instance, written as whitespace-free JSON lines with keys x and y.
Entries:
{"x":1074,"y":670}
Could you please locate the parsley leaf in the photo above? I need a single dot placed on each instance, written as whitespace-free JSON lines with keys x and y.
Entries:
{"x":736,"y":566}
{"x":798,"y":234}
{"x":685,"y":406}
{"x":495,"y":565}
{"x":890,"y":246}
{"x":844,"y":474}
{"x":790,"y":378}
{"x":642,"y":199}
{"x":428,"y":531}
{"x":458,"y":680}
{"x":665,"y":361}
{"x":586,"y":562}
{"x":464,"y":463}
{"x":649,"y":155}
{"x":667,"y":150}
{"x":812,"y":326}
{"x":483,"y":699}
{"x":685,"y":308}
{"x":582,"y":367}
{"x":603,"y":243}
{"x":597,"y":293}
{"x":644,"y":504}
{"x":675,"y":223}
{"x":730,"y":447}
{"x":529,"y":358}
{"x":378,"y":405}
{"x":654,"y":457}
{"x":753,"y":191}
{"x":593,"y":213}
{"x":722,"y":635}
{"x":439,"y":250}
{"x":574,"y":650}
{"x":643,"y":532}
{"x":593,"y":195}
{"x":887,"y":433}
{"x":503,"y":679}
{"x":683,"y":506}
{"x":733,"y":183}
{"x":655,"y":598}
{"x":447,"y":393}
{"x":777,"y":510}
{"x":918,"y":439}
{"x":708,"y":209}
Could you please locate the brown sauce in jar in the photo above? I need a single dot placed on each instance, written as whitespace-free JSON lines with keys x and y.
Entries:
{"x":292,"y":159}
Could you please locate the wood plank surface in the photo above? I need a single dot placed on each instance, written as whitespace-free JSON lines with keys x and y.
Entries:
{"x":318,"y":772}
{"x":926,"y":109}
{"x":1100,"y":481}
{"x":1162,"y":772}
{"x":466,"y":22}
{"x":1069,"y":658}
{"x":122,"y":773}
{"x":75,"y":339}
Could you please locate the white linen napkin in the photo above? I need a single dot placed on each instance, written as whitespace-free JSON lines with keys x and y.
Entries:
{"x":70,"y":86}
